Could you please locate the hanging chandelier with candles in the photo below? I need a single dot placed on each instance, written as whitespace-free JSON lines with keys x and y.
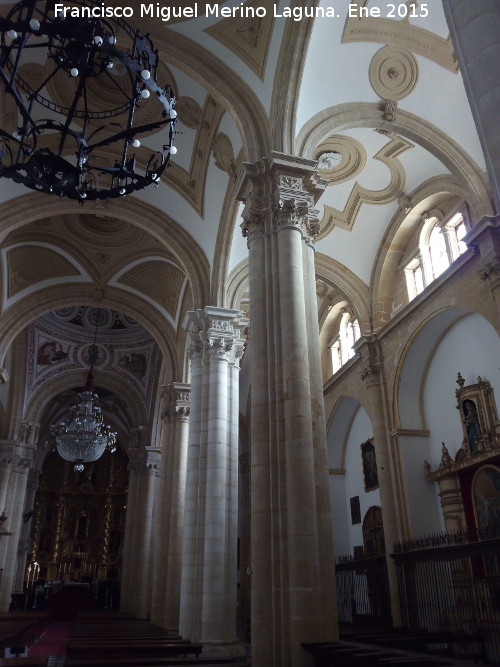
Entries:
{"x":93,"y":76}
{"x":84,"y":437}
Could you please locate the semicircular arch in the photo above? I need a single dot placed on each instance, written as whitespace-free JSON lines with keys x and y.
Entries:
{"x":423,"y":133}
{"x":15,"y":319}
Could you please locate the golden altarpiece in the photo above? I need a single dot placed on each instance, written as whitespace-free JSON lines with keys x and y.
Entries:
{"x":79,"y":521}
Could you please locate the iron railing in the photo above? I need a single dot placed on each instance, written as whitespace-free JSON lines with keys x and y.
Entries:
{"x":362,"y":589}
{"x":451,"y":583}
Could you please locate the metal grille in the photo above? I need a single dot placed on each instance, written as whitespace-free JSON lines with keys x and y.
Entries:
{"x":362,"y":589}
{"x":454,"y":589}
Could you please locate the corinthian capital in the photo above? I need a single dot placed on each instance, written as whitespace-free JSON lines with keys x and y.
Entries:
{"x":219,"y":348}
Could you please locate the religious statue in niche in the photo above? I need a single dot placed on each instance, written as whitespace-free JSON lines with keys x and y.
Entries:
{"x":480,"y":423}
{"x":369,"y":463}
{"x":471,"y":420}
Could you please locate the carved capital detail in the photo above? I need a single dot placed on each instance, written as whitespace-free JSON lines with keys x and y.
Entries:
{"x":253,"y":226}
{"x":490,"y":270}
{"x":219,"y":348}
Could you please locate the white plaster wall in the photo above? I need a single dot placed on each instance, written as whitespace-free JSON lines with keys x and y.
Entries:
{"x":424,"y":506}
{"x":472,"y":347}
{"x":342,"y":488}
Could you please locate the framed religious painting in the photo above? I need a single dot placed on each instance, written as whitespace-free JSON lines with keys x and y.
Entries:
{"x":486,"y":500}
{"x":355,"y":510}
{"x":369,"y":463}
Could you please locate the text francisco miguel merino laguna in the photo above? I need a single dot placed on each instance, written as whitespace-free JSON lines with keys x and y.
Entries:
{"x":166,"y":13}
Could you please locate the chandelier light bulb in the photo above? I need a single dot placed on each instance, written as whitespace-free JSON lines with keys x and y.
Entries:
{"x":122,"y":191}
{"x":34,"y":24}
{"x":112,"y":39}
{"x":74,"y":71}
{"x":16,"y":135}
{"x":145,"y":93}
{"x":173,"y":113}
{"x":109,"y":65}
{"x":173,"y":150}
{"x":98,"y":40}
{"x":146,"y":74}
{"x":12,"y":34}
{"x":136,"y":143}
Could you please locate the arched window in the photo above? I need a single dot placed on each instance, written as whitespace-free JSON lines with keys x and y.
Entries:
{"x":441,"y":243}
{"x":342,"y":347}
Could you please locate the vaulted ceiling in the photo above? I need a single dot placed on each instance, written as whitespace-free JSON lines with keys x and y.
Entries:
{"x":378,"y":101}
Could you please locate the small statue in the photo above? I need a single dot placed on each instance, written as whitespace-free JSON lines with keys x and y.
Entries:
{"x":471,"y":419}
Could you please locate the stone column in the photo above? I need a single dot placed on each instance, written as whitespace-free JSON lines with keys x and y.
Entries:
{"x":15,"y":459}
{"x":475,"y":32}
{"x":139,"y":534}
{"x":292,"y":561}
{"x":167,"y":566}
{"x":25,"y":544}
{"x":208,"y":587}
{"x":389,"y":466}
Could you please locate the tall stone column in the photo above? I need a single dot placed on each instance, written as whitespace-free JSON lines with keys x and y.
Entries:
{"x":15,"y":459}
{"x":389,"y":465}
{"x":139,"y":534}
{"x":292,"y":561}
{"x":475,"y":32}
{"x":167,"y":567}
{"x":25,"y":540}
{"x":208,"y":587}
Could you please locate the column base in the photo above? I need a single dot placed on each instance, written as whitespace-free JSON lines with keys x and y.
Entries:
{"x":223,"y":649}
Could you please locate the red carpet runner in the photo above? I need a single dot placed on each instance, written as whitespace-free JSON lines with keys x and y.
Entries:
{"x":53,"y":641}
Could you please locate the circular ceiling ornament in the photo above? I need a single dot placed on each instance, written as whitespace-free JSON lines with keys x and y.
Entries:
{"x":102,"y":230}
{"x":340,"y":158}
{"x":393,"y":73}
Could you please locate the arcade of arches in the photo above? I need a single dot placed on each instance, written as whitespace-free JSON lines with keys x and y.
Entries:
{"x":297,"y":329}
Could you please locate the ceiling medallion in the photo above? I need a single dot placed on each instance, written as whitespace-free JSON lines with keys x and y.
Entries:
{"x":81,"y":151}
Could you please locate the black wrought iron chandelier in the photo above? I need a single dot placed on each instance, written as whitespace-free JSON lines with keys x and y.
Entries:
{"x":84,"y":150}
{"x":84,"y":437}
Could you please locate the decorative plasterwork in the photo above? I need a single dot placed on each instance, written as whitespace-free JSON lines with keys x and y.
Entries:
{"x":360,"y":195}
{"x":248,"y":38}
{"x":340,"y":158}
{"x":402,"y":34}
{"x":28,"y":266}
{"x":189,"y":111}
{"x":157,"y":280}
{"x":223,"y":153}
{"x":103,"y":231}
{"x":393,"y":73}
{"x":191,"y":185}
{"x":56,"y":344}
{"x":160,"y":280}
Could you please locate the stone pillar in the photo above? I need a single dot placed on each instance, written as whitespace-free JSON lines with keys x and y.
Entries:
{"x":451,"y":502}
{"x":292,"y":561}
{"x":139,"y":535}
{"x":15,"y":462}
{"x":475,"y":32}
{"x":167,"y":566}
{"x":208,"y":587}
{"x":25,"y":544}
{"x":389,"y":466}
